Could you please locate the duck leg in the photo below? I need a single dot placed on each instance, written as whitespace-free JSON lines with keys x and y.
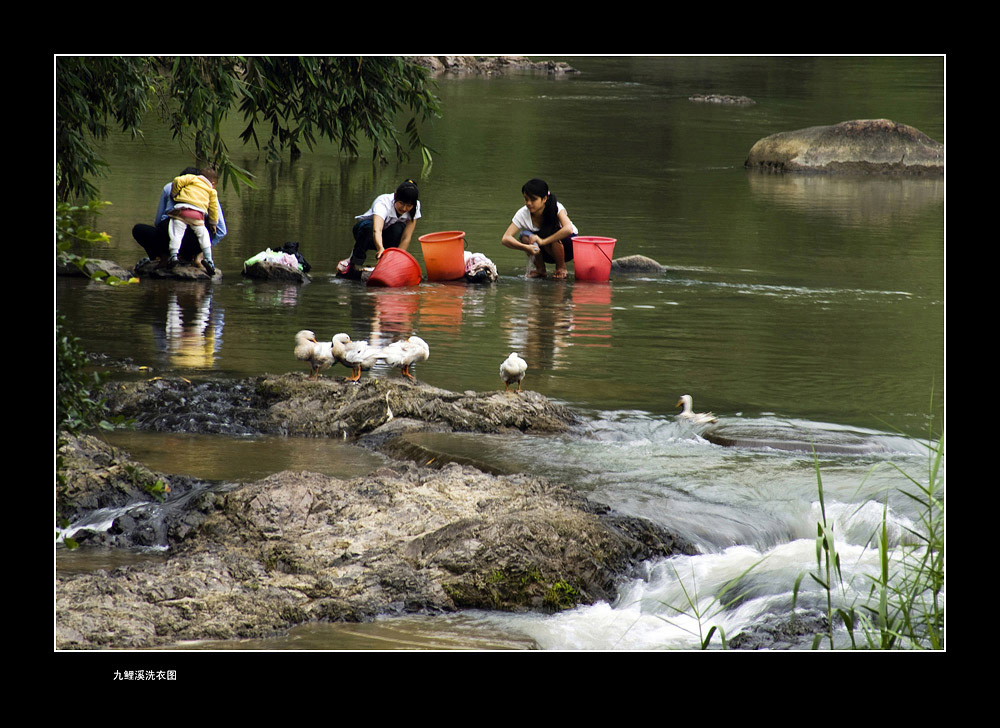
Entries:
{"x":356,"y":376}
{"x":406,"y":372}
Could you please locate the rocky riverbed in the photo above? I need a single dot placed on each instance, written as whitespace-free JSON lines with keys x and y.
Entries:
{"x":254,"y":559}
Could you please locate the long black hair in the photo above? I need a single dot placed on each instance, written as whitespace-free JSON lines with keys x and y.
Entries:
{"x":550,"y":215}
{"x":407,"y":193}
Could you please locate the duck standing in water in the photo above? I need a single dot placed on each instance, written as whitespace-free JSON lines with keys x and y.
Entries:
{"x":404,"y":354}
{"x":512,"y":370}
{"x":318,"y":354}
{"x":695,"y":418}
{"x":356,"y":355}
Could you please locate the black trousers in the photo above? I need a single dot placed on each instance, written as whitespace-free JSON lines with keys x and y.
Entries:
{"x":156,"y":241}
{"x":364,"y":239}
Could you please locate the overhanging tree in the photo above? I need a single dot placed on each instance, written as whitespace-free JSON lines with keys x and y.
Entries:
{"x":286,"y":103}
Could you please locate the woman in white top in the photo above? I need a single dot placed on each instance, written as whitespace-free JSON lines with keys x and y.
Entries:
{"x":542,"y":229}
{"x":388,"y":223}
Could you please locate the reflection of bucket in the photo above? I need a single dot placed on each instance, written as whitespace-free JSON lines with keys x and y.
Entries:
{"x":394,"y":269}
{"x":592,"y":258}
{"x":444,"y":255}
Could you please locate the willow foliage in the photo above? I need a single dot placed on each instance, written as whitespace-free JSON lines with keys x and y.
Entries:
{"x":286,"y":103}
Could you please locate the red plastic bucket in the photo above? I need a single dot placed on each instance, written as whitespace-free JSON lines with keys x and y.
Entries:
{"x":592,"y":258}
{"x":444,"y":255}
{"x":395,"y":269}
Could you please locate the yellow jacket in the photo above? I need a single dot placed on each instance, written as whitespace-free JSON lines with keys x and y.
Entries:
{"x":193,"y":189}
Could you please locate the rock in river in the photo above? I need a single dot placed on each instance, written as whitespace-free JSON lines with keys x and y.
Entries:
{"x":873,"y":146}
{"x":255,"y":559}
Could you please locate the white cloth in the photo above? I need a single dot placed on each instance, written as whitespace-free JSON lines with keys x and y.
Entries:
{"x":522,"y":218}
{"x":384,"y":208}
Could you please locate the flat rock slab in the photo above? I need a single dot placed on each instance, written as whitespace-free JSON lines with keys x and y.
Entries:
{"x":183,"y":271}
{"x":873,"y":146}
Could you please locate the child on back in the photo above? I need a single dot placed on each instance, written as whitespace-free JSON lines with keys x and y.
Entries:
{"x":194,"y":198}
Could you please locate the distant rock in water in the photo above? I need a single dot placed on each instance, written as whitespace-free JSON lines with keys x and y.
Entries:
{"x":873,"y":146}
{"x":636,"y":264}
{"x":722,"y":99}
{"x":489,"y":65}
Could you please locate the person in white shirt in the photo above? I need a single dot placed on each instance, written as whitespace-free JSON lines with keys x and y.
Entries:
{"x":388,"y":223}
{"x":542,"y":229}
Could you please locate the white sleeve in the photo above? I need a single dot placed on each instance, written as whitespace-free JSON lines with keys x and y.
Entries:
{"x":383,"y":207}
{"x":522,"y":219}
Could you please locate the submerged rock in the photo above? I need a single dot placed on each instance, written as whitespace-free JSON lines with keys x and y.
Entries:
{"x":297,"y":547}
{"x":875,"y":146}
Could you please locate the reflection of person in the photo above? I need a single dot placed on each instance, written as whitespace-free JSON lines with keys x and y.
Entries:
{"x":196,"y":206}
{"x":388,"y":223}
{"x":542,"y":229}
{"x":155,"y":238}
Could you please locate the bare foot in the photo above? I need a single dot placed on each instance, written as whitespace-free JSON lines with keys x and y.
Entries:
{"x":536,"y":274}
{"x":560,"y":274}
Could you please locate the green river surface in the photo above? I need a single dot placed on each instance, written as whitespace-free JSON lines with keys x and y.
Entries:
{"x":792,"y":303}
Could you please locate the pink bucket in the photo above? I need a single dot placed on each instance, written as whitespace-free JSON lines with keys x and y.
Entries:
{"x":592,"y":258}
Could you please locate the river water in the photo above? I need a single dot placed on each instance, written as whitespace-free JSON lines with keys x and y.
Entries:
{"x":808,"y":308}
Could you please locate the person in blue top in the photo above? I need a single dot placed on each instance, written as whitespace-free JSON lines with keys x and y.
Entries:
{"x":155,"y":238}
{"x":388,"y":223}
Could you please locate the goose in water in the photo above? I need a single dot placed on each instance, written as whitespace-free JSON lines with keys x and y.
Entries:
{"x":404,"y":354}
{"x":512,"y":370}
{"x":318,"y":354}
{"x":695,"y":418}
{"x":356,"y":355}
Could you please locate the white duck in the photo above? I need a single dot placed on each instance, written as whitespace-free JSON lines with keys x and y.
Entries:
{"x":404,"y":354}
{"x":356,"y":355}
{"x":695,"y":418}
{"x":318,"y":354}
{"x":512,"y":370}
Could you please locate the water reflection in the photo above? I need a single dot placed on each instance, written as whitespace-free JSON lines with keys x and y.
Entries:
{"x":191,"y":333}
{"x":851,"y":200}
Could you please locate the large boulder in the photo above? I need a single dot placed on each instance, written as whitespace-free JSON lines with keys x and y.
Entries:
{"x":873,"y":146}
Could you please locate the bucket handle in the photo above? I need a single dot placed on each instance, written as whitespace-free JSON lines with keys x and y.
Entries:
{"x":603,"y":253}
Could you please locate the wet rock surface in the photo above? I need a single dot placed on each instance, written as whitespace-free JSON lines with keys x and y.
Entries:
{"x":254,"y":559}
{"x":251,"y":560}
{"x":782,"y":632}
{"x":867,"y":146}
